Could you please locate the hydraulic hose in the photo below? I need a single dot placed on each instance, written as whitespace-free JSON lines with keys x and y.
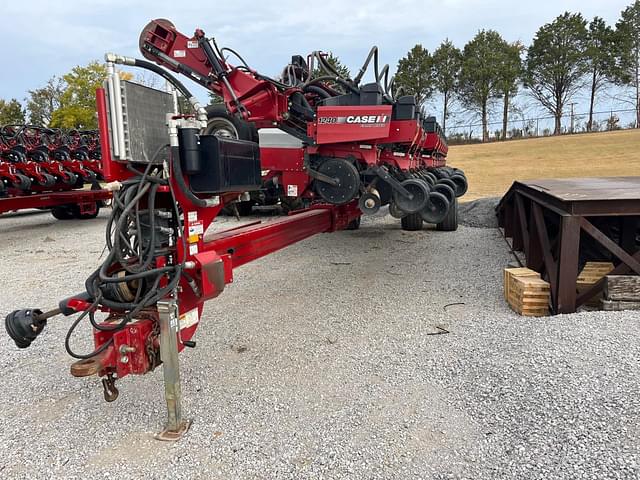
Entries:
{"x":136,"y":62}
{"x":182,"y":185}
{"x":316,"y":89}
{"x":372,"y":53}
{"x":327,"y":78}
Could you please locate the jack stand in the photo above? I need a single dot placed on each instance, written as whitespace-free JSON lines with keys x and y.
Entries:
{"x":176,"y":427}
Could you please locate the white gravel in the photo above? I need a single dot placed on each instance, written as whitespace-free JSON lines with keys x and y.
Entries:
{"x":318,"y":362}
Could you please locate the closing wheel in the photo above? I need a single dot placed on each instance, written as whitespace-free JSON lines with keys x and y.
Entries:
{"x":437,"y":208}
{"x":447,"y":181}
{"x":69,"y":178}
{"x":427,"y":177}
{"x":439,"y":173}
{"x":432,"y":178}
{"x":450,"y":222}
{"x":47,"y":180}
{"x":22,"y":182}
{"x":65,"y":212}
{"x":412,"y":222}
{"x":461,"y":184}
{"x":347,"y":177}
{"x":446,"y":190}
{"x":369,"y":202}
{"x":87,"y":216}
{"x":394,"y":211}
{"x":354,"y":224}
{"x":419,"y":189}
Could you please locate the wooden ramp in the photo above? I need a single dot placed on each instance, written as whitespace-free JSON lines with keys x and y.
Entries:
{"x":560,"y":224}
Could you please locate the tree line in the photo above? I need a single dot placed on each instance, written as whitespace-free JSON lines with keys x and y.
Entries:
{"x":567,"y":56}
{"x":63,"y":102}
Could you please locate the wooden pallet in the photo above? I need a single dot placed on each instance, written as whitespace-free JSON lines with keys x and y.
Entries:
{"x":617,"y":305}
{"x":624,"y":288}
{"x":592,"y":273}
{"x":511,"y":273}
{"x":529,"y":296}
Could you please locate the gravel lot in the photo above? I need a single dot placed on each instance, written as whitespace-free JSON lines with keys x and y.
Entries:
{"x":321,"y":362}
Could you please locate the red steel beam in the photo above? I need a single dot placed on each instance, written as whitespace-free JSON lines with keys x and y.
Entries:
{"x":249,"y":243}
{"x":53,"y":199}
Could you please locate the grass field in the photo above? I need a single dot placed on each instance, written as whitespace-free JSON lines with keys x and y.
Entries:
{"x":492,"y":168}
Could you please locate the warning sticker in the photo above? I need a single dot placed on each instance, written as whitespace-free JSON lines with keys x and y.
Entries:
{"x":189,"y":319}
{"x":193,"y":249}
{"x":196,"y":228}
{"x":192,"y":216}
{"x":292,"y":190}
{"x":192,"y":44}
{"x":179,"y":53}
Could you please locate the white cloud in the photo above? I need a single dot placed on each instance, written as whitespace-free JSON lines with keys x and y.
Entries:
{"x":42,"y":38}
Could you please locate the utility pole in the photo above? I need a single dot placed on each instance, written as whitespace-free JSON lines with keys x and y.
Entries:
{"x":572,"y":122}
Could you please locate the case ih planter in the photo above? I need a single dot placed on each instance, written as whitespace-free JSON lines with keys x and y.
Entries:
{"x":338,"y":148}
{"x":45,"y":168}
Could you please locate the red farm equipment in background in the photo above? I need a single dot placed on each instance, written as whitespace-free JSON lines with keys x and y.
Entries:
{"x":336,"y":148}
{"x":49,"y":169}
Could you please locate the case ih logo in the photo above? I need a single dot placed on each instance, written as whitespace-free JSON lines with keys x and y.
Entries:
{"x":367,"y":119}
{"x":355,"y":119}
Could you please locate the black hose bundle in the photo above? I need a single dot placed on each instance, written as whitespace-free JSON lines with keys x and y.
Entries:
{"x":128,"y":279}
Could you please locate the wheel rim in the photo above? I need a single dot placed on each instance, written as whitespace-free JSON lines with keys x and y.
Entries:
{"x":419,"y":189}
{"x":437,"y":208}
{"x":221,"y":127}
{"x":446,"y":190}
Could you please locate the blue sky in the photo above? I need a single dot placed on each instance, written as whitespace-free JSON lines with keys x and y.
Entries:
{"x":42,"y":38}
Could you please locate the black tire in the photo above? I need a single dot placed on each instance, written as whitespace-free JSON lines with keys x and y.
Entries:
{"x":49,"y":180}
{"x":290,"y":204}
{"x":412,"y":222}
{"x":65,"y":212}
{"x":419,"y":188}
{"x":448,"y":181}
{"x":228,"y":126}
{"x":24,"y":182}
{"x":354,"y":224}
{"x":87,"y":216}
{"x":450,"y":223}
{"x":461,"y":184}
{"x":446,"y":190}
{"x":245,"y":208}
{"x":439,"y":173}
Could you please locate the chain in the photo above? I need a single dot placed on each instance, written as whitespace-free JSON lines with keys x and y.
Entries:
{"x":152,"y":352}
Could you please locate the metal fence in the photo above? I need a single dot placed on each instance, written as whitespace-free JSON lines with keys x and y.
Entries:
{"x":543,"y":126}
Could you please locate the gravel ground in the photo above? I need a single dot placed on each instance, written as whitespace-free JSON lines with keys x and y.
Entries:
{"x":480,"y":213}
{"x":322,"y":361}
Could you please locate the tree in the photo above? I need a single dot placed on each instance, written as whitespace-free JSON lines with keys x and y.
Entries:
{"x":446,"y":63}
{"x":78,"y":104}
{"x":214,"y":98}
{"x":415,"y":74}
{"x":628,"y":36}
{"x":338,"y":66}
{"x":11,"y":112}
{"x":601,"y":54}
{"x":479,"y":74}
{"x":509,"y":75}
{"x":556,"y":64}
{"x":42,"y":102}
